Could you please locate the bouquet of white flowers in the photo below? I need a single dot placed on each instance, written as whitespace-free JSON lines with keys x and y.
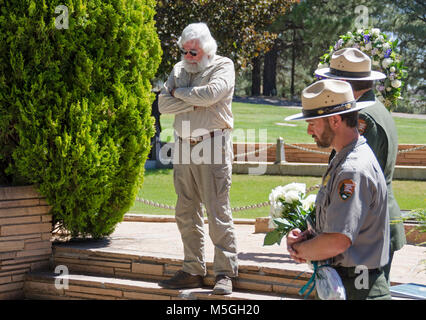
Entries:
{"x":291,"y":208}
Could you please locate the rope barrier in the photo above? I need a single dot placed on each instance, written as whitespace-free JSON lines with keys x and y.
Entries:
{"x":412,"y":149}
{"x":243,"y":208}
{"x":253,"y":152}
{"x":306,"y":149}
{"x":316,"y":151}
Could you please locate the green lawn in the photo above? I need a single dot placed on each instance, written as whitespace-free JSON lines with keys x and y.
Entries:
{"x":250,"y":189}
{"x":251,"y":121}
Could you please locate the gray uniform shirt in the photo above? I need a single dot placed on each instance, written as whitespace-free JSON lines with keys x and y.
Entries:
{"x":353,"y":201}
{"x":211,"y":89}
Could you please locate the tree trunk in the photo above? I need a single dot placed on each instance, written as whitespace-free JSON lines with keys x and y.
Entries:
{"x":255,"y":77}
{"x":293,"y":64}
{"x":270,"y":72}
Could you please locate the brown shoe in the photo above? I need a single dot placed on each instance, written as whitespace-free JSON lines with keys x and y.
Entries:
{"x":223,"y":285}
{"x":182,"y":280}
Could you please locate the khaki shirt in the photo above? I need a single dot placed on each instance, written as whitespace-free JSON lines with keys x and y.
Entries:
{"x":212,"y":89}
{"x":353,"y":201}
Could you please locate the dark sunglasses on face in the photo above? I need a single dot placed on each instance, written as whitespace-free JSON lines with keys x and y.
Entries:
{"x":191,"y":52}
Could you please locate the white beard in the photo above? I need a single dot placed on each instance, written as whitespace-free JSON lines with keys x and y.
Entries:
{"x":197,"y":67}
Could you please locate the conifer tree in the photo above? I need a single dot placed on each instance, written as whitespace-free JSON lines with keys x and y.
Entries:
{"x":75,"y":104}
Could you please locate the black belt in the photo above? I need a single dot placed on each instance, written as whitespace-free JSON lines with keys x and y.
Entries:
{"x":349,"y":272}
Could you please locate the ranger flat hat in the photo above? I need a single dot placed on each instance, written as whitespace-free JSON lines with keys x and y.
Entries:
{"x":350,"y":64}
{"x":327,"y":98}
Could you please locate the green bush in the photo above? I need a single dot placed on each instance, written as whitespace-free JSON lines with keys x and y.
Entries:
{"x":75,"y":105}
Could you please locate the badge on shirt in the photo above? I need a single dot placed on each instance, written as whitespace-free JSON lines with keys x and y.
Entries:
{"x":346,"y":189}
{"x":362,"y":125}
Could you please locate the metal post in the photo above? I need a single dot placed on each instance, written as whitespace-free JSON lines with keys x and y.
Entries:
{"x":280,"y":155}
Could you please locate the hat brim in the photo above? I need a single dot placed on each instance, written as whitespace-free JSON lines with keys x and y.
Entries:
{"x":359,"y":106}
{"x":325,"y":72}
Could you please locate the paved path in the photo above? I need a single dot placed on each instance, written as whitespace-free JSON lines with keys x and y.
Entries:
{"x":162,"y":239}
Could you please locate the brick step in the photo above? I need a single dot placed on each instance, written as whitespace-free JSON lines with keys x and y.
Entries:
{"x":252,"y":278}
{"x":51,"y":286}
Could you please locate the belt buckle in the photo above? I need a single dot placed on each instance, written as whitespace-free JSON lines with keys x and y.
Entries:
{"x":193,"y":141}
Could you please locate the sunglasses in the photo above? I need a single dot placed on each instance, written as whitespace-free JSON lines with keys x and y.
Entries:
{"x":191,"y":52}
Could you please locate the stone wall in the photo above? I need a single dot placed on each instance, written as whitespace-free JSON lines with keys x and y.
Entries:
{"x":25,"y":237}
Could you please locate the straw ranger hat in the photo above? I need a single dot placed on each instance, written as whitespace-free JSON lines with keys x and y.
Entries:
{"x":327,"y":98}
{"x":350,"y":64}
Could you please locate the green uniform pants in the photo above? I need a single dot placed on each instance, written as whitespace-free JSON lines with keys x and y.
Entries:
{"x":377,"y":287}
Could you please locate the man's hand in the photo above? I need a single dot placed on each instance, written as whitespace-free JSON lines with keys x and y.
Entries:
{"x":294,"y":237}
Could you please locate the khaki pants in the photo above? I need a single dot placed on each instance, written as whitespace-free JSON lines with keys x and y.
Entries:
{"x":208,"y":184}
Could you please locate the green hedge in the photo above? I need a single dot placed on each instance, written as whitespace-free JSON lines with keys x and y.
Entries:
{"x":75,"y":105}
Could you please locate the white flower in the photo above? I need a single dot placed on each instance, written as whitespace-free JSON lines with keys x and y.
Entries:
{"x":368,"y":46}
{"x":322,"y":65}
{"x":386,"y":46}
{"x":276,"y":193}
{"x":309,"y":202}
{"x":388,"y":89}
{"x":360,"y":31}
{"x":349,"y":34}
{"x":291,"y":196}
{"x":294,"y":186}
{"x":375,"y":31}
{"x":392,"y":69}
{"x":386,"y":62}
{"x":396,"y":83}
{"x":375,"y":62}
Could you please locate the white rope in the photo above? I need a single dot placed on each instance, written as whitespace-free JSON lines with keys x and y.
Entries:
{"x":306,"y":149}
{"x":243,"y":208}
{"x":412,"y":149}
{"x":253,"y":152}
{"x":327,"y":153}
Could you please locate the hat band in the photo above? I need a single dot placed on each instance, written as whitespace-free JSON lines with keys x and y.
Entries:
{"x":350,"y":74}
{"x":329,"y":110}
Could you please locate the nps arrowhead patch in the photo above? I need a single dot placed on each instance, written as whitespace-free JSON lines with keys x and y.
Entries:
{"x":362,"y":125}
{"x":346,"y":189}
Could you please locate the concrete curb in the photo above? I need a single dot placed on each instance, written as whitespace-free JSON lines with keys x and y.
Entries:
{"x":134,"y":217}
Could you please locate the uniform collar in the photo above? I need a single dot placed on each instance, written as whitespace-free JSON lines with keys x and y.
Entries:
{"x":346,"y":150}
{"x":367,"y":96}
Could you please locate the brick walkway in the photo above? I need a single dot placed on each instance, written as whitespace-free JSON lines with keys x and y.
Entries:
{"x":162,"y":239}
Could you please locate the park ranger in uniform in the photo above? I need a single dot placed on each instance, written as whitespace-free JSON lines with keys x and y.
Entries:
{"x":375,"y":124}
{"x":352,"y":219}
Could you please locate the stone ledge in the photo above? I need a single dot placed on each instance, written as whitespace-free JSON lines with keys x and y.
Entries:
{"x":170,"y":218}
{"x":42,"y":284}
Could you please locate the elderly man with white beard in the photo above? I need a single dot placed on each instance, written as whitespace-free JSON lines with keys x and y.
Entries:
{"x":199,"y":93}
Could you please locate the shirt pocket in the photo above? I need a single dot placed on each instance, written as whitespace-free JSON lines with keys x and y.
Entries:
{"x":321,"y":205}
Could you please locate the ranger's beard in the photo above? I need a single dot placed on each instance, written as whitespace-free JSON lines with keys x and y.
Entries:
{"x":197,"y":66}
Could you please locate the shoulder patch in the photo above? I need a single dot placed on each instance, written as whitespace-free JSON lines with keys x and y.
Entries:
{"x":362,"y":125}
{"x":346,"y":189}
